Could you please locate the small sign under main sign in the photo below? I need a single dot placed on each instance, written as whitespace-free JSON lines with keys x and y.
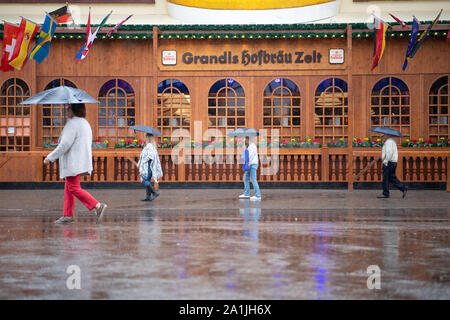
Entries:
{"x":169,"y":58}
{"x":336,"y":56}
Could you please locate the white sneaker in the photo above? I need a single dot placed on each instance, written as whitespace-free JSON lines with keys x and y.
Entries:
{"x":255,"y":198}
{"x":243,"y":196}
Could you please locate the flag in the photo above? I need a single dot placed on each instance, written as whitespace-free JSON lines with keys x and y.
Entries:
{"x":412,"y":40}
{"x":10,"y":32}
{"x":90,"y":37}
{"x":398,"y":20}
{"x":62,"y":15}
{"x":422,"y":37}
{"x":27,"y":30}
{"x":42,"y":48}
{"x":380,"y":41}
{"x":117,"y":26}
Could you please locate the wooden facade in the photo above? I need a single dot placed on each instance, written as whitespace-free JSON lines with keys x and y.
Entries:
{"x":286,"y":84}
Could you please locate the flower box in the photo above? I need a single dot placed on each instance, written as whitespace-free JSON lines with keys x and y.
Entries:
{"x":130,"y":144}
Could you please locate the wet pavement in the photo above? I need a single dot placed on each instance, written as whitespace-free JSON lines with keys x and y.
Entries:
{"x":207,"y":244}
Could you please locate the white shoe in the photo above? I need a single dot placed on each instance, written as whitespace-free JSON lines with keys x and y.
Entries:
{"x":255,"y":198}
{"x":243,"y":196}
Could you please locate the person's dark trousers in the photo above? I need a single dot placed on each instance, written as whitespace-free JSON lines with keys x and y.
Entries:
{"x":150,"y":190}
{"x":389,"y":176}
{"x":146,"y":181}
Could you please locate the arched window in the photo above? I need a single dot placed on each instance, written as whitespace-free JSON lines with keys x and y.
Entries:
{"x":174,"y":107}
{"x":116,"y":110}
{"x":390,"y":105}
{"x":226,"y":105}
{"x":438,"y":109}
{"x":54,"y":115}
{"x":282,"y":107}
{"x":331,"y":110}
{"x":15,"y":119}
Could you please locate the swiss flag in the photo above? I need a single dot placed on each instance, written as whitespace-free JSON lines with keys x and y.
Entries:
{"x":10,"y":32}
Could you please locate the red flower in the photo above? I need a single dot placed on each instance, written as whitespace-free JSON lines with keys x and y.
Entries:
{"x":358,"y":140}
{"x":316,"y":140}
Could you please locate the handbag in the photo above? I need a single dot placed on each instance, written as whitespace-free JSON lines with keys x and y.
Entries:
{"x":246,"y":166}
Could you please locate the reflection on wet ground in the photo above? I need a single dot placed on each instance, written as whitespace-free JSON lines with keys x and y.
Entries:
{"x":206,"y":244}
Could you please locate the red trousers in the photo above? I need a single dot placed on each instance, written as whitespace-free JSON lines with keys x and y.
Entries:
{"x":73,"y":189}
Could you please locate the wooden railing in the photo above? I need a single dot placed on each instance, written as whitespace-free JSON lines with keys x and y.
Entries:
{"x":290,"y":165}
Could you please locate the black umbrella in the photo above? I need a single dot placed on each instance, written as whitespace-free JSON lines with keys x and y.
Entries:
{"x":243,"y":132}
{"x":146,"y":129}
{"x":386,"y":130}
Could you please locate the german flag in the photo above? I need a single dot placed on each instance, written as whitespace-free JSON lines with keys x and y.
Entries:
{"x":62,"y":15}
{"x":380,"y":41}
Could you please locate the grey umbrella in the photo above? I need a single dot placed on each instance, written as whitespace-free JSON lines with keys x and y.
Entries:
{"x":146,"y":129}
{"x":243,"y":132}
{"x":60,"y":95}
{"x":386,"y":130}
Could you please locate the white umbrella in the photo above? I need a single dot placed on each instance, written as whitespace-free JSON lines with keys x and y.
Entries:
{"x":60,"y":95}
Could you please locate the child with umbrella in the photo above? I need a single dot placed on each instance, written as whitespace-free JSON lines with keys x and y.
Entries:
{"x":149,"y":164}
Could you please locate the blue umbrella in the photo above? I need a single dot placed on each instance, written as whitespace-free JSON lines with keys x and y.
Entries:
{"x":146,"y":129}
{"x":243,"y":132}
{"x":386,"y":130}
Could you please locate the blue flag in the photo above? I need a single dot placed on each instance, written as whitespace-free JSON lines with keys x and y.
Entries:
{"x":422,"y":37}
{"x":42,"y":48}
{"x":412,"y":40}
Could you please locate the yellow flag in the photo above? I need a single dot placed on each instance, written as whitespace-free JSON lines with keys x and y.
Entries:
{"x":27,"y":30}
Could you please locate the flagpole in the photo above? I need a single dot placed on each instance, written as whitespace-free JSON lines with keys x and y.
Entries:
{"x":30,"y":21}
{"x":4,"y":21}
{"x":382,"y":20}
{"x":46,"y":13}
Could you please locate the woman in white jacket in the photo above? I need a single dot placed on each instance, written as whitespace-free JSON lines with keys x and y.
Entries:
{"x":74,"y":152}
{"x":150,"y":167}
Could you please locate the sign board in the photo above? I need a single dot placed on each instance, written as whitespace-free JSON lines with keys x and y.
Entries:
{"x":169,"y":57}
{"x":336,"y":56}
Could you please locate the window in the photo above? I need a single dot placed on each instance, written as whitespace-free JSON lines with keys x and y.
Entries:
{"x":174,"y":107}
{"x":54,"y":115}
{"x":116,"y":110}
{"x":226,"y":105}
{"x":438,"y":109}
{"x":390,"y":105}
{"x":331,"y":110}
{"x":15,"y":119}
{"x":281,"y":108}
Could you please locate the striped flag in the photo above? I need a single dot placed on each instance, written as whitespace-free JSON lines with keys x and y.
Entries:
{"x":42,"y":48}
{"x":90,"y":37}
{"x":61,"y":15}
{"x":27,"y":30}
{"x":380,"y":41}
{"x":422,"y":37}
{"x":117,"y":26}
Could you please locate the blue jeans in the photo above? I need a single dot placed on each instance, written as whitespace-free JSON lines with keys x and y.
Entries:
{"x":251,"y":174}
{"x":146,"y":181}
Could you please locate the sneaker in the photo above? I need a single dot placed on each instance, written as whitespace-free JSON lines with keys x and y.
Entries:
{"x":404,"y":192}
{"x":382,"y":196}
{"x":64,"y":220}
{"x":243,"y":196}
{"x":255,"y":198}
{"x":100,"y":212}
